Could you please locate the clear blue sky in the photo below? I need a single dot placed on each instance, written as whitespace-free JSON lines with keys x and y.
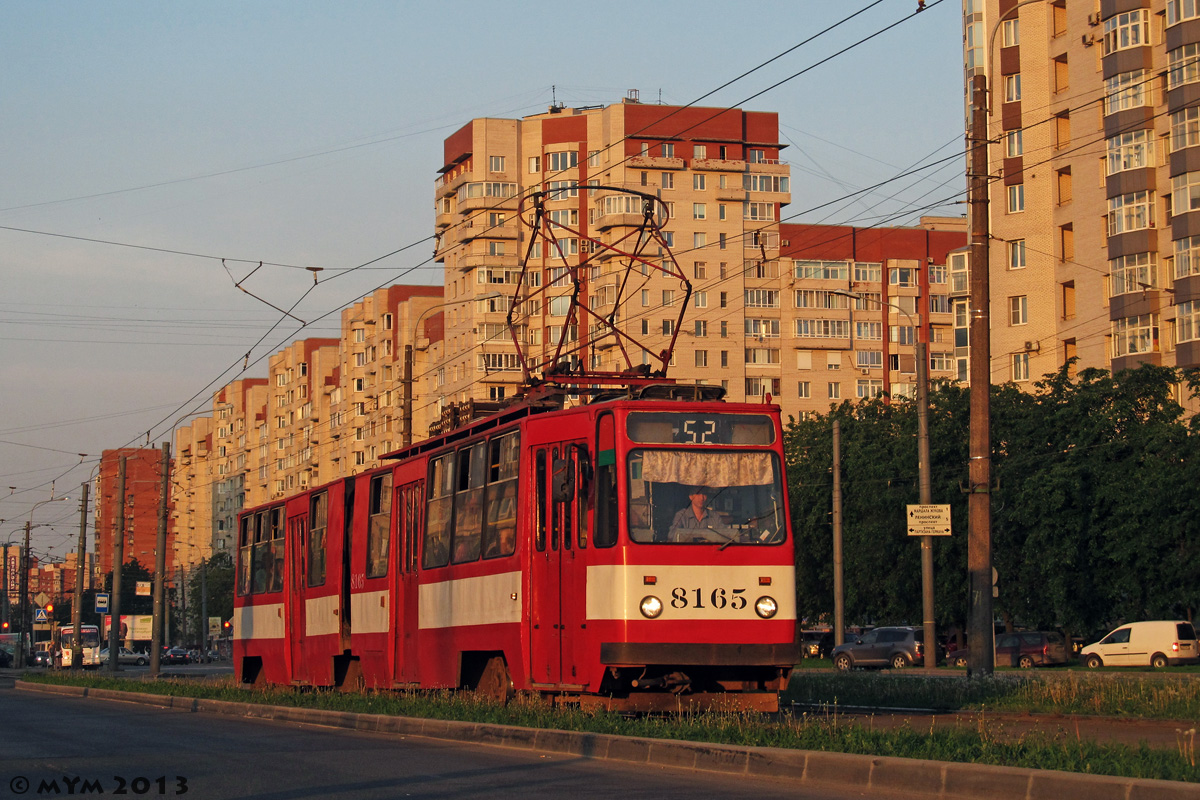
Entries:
{"x":309,"y":134}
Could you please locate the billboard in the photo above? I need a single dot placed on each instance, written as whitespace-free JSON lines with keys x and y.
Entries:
{"x":134,"y":627}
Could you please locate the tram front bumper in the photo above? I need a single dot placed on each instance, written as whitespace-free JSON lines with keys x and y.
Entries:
{"x":631,"y":654}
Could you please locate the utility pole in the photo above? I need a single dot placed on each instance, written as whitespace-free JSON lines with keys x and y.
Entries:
{"x":160,"y":563}
{"x":839,"y":597}
{"x":77,"y":606}
{"x":408,"y":394}
{"x":204,"y":605}
{"x":114,"y":627}
{"x":926,"y":493}
{"x":24,"y":584}
{"x":981,"y":629}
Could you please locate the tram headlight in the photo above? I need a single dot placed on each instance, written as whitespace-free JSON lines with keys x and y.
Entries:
{"x":651,"y":607}
{"x":766,"y":607}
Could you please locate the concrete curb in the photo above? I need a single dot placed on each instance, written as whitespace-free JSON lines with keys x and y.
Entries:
{"x":936,"y":779}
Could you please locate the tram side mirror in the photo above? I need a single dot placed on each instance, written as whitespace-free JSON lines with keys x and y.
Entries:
{"x":564,"y":480}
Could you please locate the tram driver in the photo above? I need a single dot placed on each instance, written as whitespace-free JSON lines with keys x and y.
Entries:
{"x":697,"y":522}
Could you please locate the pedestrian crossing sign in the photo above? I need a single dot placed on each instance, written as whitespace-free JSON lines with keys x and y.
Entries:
{"x":39,"y":616}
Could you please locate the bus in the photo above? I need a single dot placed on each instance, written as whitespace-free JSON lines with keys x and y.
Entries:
{"x":90,"y":641}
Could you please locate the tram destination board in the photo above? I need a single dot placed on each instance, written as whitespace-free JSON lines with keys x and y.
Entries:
{"x":928,"y":520}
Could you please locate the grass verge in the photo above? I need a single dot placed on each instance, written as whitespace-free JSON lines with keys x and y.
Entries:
{"x":1127,"y":696}
{"x":984,"y":745}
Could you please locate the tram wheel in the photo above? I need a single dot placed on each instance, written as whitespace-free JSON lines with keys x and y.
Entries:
{"x":495,"y":683}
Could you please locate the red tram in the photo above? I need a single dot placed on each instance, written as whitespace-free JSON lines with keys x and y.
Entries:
{"x":633,"y":552}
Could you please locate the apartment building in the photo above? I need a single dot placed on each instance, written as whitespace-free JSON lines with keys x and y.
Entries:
{"x":369,"y":412}
{"x":143,"y":490}
{"x":192,"y":487}
{"x":772,"y":309}
{"x":289,"y":438}
{"x":1094,"y":154}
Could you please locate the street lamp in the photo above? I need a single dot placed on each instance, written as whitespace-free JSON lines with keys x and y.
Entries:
{"x":923,"y":478}
{"x":408,"y":358}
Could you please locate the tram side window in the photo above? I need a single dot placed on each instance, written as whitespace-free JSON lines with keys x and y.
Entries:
{"x":500,"y":525}
{"x":379,"y":525}
{"x":435,"y":548}
{"x":469,"y":481}
{"x":318,"y":520}
{"x":267,"y":556}
{"x":606,"y":484}
{"x":245,"y":552}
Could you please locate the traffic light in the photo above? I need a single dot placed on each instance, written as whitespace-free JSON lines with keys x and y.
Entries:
{"x":50,"y":608}
{"x":4,"y":626}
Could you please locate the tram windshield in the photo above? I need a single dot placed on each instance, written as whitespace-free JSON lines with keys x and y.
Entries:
{"x":690,"y":497}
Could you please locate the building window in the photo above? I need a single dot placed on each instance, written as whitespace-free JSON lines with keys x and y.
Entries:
{"x":698,"y":181}
{"x":1016,"y":254}
{"x":804,"y":390}
{"x":835,"y":390}
{"x":1126,"y":90}
{"x":822,"y":270}
{"x":1013,"y":143}
{"x":1187,"y":256}
{"x":1010,"y":33}
{"x":1187,"y":321}
{"x":567,"y":159}
{"x":868,"y":359}
{"x":762,"y":328}
{"x":762,"y":212}
{"x":866,"y":388}
{"x":1133,"y":273}
{"x":701,"y":328}
{"x":668,"y":298}
{"x":700,"y":151}
{"x":699,"y":240}
{"x":1185,"y":128}
{"x":1132,"y":335}
{"x":868,"y":331}
{"x":701,"y":358}
{"x":668,"y":180}
{"x":762,"y":298}
{"x":496,"y":164}
{"x":1130,"y":212}
{"x":701,"y":299}
{"x":1122,"y":31}
{"x":1020,"y":366}
{"x":1183,"y":65}
{"x":535,"y":164}
{"x":1012,"y":88}
{"x":699,"y":211}
{"x":1185,"y":193}
{"x":868,"y":272}
{"x":822,"y":328}
{"x":1018,"y":310}
{"x":1132,"y":150}
{"x":1016,"y":198}
{"x":1179,"y":10}
{"x":902,"y":276}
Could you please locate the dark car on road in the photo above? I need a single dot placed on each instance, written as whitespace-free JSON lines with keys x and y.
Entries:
{"x":1022,"y":649}
{"x":176,"y":655}
{"x":894,"y":647}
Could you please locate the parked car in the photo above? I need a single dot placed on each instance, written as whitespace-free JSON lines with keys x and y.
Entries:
{"x":1031,"y":649}
{"x":896,"y":647}
{"x":41,"y":658}
{"x":810,"y":643}
{"x":126,"y":656}
{"x":176,"y":655}
{"x":1155,"y":643}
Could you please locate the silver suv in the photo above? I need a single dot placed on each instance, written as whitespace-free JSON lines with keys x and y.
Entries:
{"x":895,"y":647}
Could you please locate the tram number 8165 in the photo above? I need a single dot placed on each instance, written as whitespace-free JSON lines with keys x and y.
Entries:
{"x":719,"y":598}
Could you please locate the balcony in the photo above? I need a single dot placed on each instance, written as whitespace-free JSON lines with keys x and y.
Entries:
{"x":718,"y":165}
{"x":448,"y":187}
{"x":654,"y":162}
{"x":479,"y":228}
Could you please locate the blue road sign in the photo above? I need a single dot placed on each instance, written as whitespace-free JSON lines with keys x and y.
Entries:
{"x":39,"y":616}
{"x":102,"y":603}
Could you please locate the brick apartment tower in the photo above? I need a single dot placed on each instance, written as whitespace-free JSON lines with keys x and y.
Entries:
{"x":1095,"y":202}
{"x":143,"y":486}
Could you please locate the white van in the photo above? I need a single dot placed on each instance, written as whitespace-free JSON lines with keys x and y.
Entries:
{"x":1139,"y":644}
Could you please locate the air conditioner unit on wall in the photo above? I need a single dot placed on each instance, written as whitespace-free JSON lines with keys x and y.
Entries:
{"x":1033,"y":346}
{"x":1094,"y":19}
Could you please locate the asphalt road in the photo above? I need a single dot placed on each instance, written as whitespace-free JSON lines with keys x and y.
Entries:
{"x":136,"y":749}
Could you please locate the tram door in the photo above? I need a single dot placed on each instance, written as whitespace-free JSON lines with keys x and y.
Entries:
{"x":297,"y":534}
{"x":410,"y":506}
{"x":556,"y":570}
